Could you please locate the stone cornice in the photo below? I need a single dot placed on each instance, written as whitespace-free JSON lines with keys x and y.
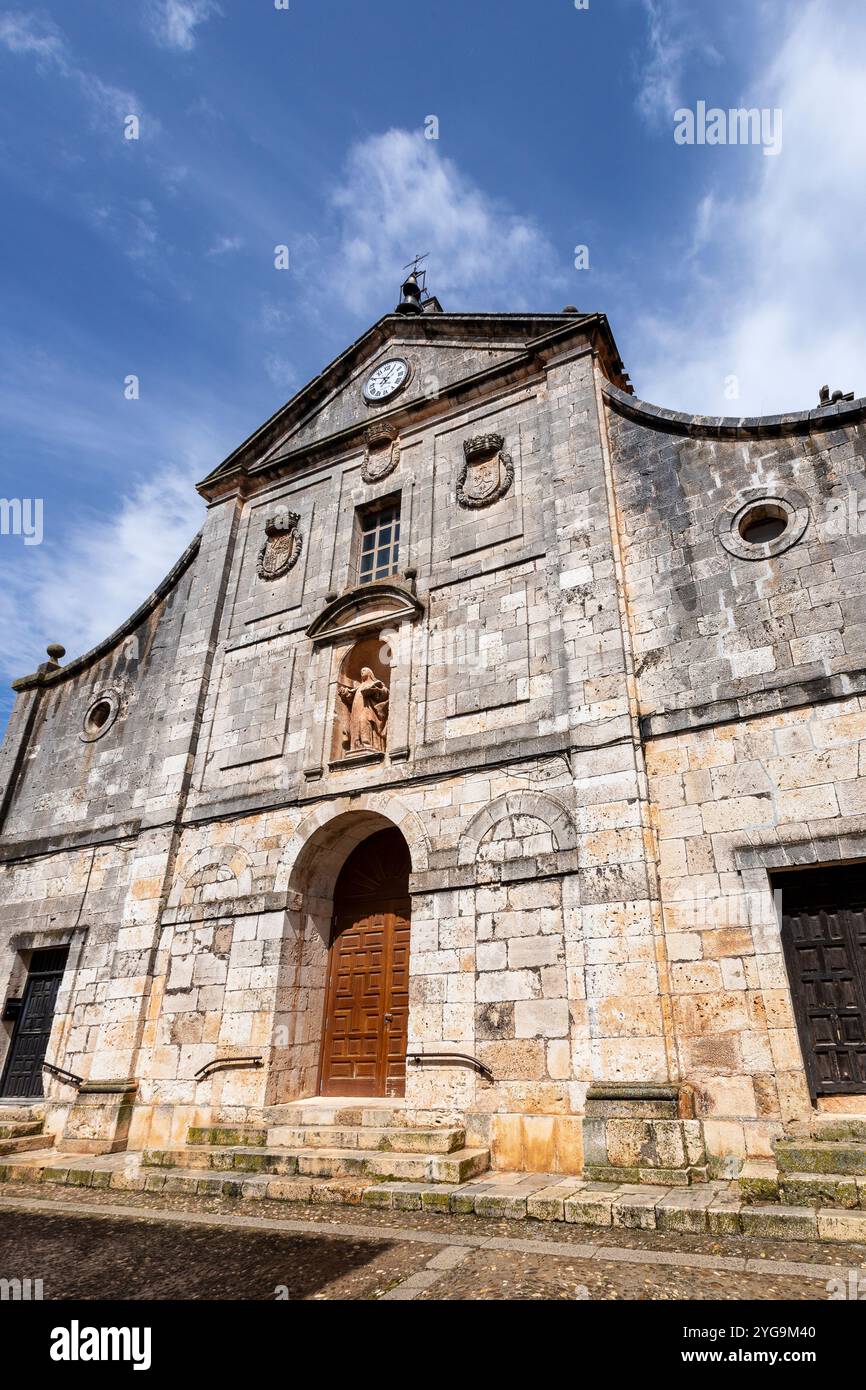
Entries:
{"x":655,"y":417}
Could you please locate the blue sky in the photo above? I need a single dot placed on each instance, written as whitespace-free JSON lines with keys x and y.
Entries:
{"x":306,"y":127}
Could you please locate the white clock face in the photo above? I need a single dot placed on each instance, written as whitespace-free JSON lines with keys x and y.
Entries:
{"x":386,"y":380}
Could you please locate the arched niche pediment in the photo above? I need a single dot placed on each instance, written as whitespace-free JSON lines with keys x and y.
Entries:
{"x":367,"y":608}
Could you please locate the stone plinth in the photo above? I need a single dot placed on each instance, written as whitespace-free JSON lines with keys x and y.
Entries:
{"x":643,"y":1133}
{"x":100,"y":1118}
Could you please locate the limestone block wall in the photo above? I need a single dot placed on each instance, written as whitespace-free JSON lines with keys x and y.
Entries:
{"x":718,"y":623}
{"x":71,"y":899}
{"x":732,"y":803}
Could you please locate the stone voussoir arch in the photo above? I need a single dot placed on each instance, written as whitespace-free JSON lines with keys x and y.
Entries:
{"x":216,"y":872}
{"x":540,"y":806}
{"x":341,"y":822}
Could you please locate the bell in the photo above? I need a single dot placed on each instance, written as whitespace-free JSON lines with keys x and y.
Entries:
{"x":410,"y":297}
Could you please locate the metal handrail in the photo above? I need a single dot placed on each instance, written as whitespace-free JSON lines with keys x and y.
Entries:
{"x":68,"y":1076}
{"x":416,"y":1058}
{"x":226,"y":1063}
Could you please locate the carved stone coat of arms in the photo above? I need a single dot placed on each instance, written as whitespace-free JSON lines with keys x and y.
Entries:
{"x":282,"y":547}
{"x":381,"y":454}
{"x":487,"y":472}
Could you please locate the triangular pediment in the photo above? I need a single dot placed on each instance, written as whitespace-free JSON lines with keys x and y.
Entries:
{"x":364,"y":610}
{"x":444,"y":353}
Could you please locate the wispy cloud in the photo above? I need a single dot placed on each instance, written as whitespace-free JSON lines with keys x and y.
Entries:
{"x":31,"y":35}
{"x":35,"y":36}
{"x":76,"y":592}
{"x":768,"y":307}
{"x":675,"y":36}
{"x":399,"y":196}
{"x":658,"y":94}
{"x":281,"y":372}
{"x":173,"y":22}
{"x":133,"y":508}
{"x":224,"y":245}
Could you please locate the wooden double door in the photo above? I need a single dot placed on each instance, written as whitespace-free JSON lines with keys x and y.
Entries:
{"x":367,"y":997}
{"x":824,"y":937}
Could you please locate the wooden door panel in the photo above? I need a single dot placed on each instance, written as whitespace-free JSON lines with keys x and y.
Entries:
{"x":825,"y":949}
{"x":397,"y":1033}
{"x":22,"y":1077}
{"x":367,"y":1013}
{"x":367,"y":1000}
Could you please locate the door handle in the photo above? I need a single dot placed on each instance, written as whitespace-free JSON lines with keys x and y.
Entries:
{"x":388,"y":1018}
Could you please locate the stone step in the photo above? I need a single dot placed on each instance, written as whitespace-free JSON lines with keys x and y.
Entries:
{"x":25,"y":1144}
{"x":763,"y":1182}
{"x":822,"y":1190}
{"x":839,"y":1128}
{"x":340,"y":1114}
{"x":365,"y":1137}
{"x":758,"y":1181}
{"x":13,"y":1113}
{"x":227,"y":1136}
{"x":19,"y":1129}
{"x":713,"y":1209}
{"x":326,"y":1163}
{"x":820,"y":1156}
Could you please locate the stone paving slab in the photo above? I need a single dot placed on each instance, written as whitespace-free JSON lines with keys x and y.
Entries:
{"x":712,"y":1208}
{"x":444,"y":1254}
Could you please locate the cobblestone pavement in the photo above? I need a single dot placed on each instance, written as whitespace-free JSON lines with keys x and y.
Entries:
{"x":151,"y":1246}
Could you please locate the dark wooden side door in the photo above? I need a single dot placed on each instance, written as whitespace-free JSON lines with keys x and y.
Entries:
{"x":367,"y":1003}
{"x":824,"y":935}
{"x":22,"y":1075}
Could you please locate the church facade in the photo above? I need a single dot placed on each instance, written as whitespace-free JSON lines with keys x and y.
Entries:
{"x":497,"y":750}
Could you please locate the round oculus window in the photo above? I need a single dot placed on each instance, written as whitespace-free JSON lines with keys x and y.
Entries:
{"x":759,"y":524}
{"x":100,"y":716}
{"x":763,"y":523}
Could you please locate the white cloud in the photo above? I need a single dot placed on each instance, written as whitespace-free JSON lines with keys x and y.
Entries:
{"x":281,"y":372}
{"x":174,"y":22}
{"x":35,"y":36}
{"x":400,"y":196}
{"x":94,"y":568}
{"x":131,"y":225}
{"x":129,"y":508}
{"x":30,"y":35}
{"x":658,"y":95}
{"x":673,"y":39}
{"x":224,"y":245}
{"x":78,"y":590}
{"x":773,"y":296}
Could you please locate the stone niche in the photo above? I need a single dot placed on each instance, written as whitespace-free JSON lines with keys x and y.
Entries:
{"x":361,"y":704}
{"x":643,"y":1133}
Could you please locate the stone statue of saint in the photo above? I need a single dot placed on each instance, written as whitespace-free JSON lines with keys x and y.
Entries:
{"x":367,"y":705}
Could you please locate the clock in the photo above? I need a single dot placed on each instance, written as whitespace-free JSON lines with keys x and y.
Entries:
{"x":388,"y":378}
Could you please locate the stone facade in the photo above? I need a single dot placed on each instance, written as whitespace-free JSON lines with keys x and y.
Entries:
{"x":608,"y":722}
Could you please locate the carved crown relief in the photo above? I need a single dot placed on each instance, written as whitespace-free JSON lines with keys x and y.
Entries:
{"x":487,"y":472}
{"x":282,"y":547}
{"x":381,"y":454}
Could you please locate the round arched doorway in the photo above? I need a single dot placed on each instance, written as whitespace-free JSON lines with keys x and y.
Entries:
{"x":367,"y":995}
